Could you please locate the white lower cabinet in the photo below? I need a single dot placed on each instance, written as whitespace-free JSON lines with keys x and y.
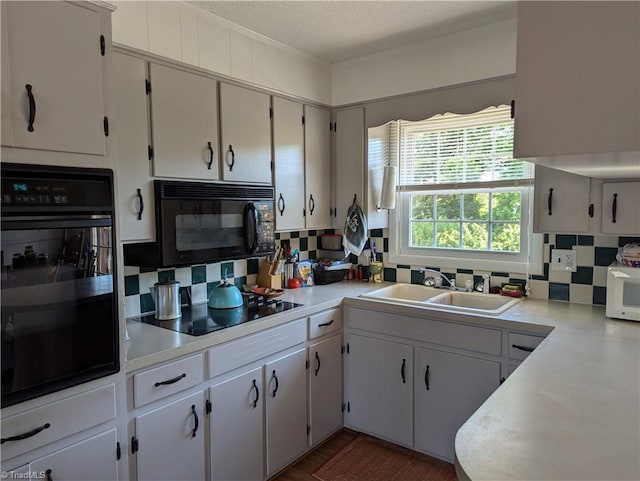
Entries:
{"x":286,"y":409}
{"x":325,"y":387}
{"x":170,"y":441}
{"x":94,"y":458}
{"x":379,"y":388}
{"x":449,"y":388}
{"x":235,"y":423}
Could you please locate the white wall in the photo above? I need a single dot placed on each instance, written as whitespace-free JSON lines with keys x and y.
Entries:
{"x":181,"y":32}
{"x":475,"y":54}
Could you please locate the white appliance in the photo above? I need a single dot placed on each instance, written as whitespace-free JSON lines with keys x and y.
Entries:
{"x":623,"y":292}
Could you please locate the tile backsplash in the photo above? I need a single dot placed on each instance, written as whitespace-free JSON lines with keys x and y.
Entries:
{"x":586,"y":286}
{"x":204,"y":277}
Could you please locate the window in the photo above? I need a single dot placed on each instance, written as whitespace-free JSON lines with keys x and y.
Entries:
{"x":463,"y":200}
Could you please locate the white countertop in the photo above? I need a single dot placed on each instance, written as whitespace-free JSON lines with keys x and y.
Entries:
{"x":570,"y":411}
{"x":149,"y":345}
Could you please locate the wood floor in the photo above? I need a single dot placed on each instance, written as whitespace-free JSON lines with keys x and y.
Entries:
{"x":303,"y":469}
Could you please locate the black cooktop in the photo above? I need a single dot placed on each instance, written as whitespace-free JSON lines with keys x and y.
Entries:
{"x":198,"y":319}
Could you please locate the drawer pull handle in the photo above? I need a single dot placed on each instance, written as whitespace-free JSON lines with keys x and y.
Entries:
{"x":171,"y":381}
{"x":550,"y":200}
{"x":523,"y":348}
{"x":26,"y":435}
{"x":255,"y":401}
{"x":48,"y":474}
{"x":317,"y":363}
{"x":404,"y":362}
{"x":325,"y":324}
{"x":426,"y":378}
{"x":614,"y":208}
{"x":195,"y":420}
{"x":275,"y":390}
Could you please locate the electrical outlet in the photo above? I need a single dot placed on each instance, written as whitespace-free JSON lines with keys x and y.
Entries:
{"x":563,"y":260}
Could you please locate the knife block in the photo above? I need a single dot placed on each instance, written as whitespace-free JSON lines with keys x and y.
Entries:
{"x":266,"y":279}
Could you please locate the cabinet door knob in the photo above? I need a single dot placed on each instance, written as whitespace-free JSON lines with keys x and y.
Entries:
{"x":210,"y":155}
{"x":140,"y":204}
{"x":312,"y":204}
{"x":233,"y":158}
{"x":426,"y":377}
{"x":196,"y":421}
{"x":317,"y":363}
{"x":281,"y":205}
{"x":32,"y":107}
{"x":255,"y":401}
{"x":275,"y":389}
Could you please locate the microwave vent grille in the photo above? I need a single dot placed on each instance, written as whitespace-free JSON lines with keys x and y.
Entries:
{"x":198,"y":190}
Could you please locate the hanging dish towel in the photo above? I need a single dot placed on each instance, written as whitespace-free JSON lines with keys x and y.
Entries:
{"x":355,"y":230}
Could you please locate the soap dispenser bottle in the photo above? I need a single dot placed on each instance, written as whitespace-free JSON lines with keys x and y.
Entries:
{"x":486,"y":284}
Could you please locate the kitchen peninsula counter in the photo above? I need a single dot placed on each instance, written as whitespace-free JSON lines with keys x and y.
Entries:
{"x":571,"y":410}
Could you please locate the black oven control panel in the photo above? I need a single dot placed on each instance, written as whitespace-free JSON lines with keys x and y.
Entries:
{"x":24,"y":193}
{"x":20,"y":192}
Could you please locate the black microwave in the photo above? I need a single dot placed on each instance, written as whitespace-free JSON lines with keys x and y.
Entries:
{"x":200,"y":222}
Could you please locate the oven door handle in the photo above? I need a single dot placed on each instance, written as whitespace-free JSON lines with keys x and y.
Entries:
{"x":250,"y":227}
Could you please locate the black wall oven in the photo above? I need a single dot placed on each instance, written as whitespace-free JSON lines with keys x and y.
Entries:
{"x":58,"y":287}
{"x":198,"y":222}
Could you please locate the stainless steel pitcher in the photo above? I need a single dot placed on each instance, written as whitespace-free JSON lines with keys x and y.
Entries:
{"x":166,"y":297}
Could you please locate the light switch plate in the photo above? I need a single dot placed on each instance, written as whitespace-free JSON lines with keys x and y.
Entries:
{"x":563,"y":260}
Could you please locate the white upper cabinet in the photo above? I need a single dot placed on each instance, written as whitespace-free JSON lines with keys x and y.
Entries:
{"x":130,"y":25}
{"x":184,"y":124}
{"x":562,"y":201}
{"x":302,"y":165}
{"x":348,"y":177}
{"x":288,"y":149}
{"x":317,"y":155}
{"x":621,"y":208}
{"x":245,"y":134}
{"x":55,"y":69}
{"x":164,"y":29}
{"x":578,"y":78}
{"x":135,"y":189}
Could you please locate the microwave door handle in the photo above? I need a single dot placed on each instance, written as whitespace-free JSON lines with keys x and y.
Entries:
{"x":250,"y":227}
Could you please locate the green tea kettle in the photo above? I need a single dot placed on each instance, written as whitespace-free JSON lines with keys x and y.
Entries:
{"x":225,"y":296}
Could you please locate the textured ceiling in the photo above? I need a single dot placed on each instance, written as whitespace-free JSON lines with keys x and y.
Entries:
{"x":342,"y":30}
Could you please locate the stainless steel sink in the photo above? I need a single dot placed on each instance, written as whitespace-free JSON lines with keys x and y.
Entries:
{"x":455,"y":301}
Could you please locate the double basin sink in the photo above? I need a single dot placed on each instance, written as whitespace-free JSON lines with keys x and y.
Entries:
{"x":442,"y":299}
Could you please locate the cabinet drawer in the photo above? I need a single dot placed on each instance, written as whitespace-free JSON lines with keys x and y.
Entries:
{"x":324,"y":323}
{"x":521,"y":345}
{"x":63,"y":418}
{"x":154,"y":384}
{"x":234,"y":354}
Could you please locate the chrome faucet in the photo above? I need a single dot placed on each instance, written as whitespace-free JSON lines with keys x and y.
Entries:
{"x":452,"y":286}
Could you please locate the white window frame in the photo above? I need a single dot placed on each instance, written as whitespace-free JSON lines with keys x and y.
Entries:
{"x":527,"y":261}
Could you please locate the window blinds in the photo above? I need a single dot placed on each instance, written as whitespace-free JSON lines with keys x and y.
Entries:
{"x":451,"y":149}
